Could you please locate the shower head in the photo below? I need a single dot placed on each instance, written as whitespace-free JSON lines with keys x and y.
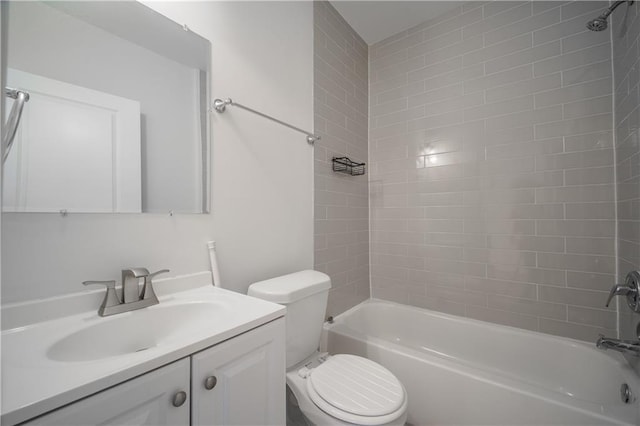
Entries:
{"x":600,"y":23}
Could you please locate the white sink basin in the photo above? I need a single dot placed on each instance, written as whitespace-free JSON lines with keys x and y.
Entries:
{"x":71,"y":352}
{"x":134,"y":331}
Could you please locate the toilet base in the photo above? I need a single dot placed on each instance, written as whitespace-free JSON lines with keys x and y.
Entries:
{"x":295,"y":417}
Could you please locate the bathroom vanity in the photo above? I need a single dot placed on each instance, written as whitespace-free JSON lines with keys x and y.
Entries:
{"x":203,"y":355}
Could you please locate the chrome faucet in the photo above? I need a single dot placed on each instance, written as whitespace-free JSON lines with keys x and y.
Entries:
{"x":132,"y":297}
{"x":625,"y":346}
{"x":631,"y":290}
{"x":131,"y":283}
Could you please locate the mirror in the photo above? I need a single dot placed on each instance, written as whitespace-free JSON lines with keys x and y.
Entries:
{"x":117,"y":118}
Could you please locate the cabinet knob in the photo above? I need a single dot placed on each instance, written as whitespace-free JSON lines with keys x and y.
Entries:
{"x":179,"y":398}
{"x":210,"y":382}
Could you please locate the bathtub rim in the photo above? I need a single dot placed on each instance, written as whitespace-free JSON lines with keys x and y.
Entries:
{"x":340,"y":319}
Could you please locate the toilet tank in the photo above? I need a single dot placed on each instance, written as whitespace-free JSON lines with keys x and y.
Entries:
{"x":305,"y":295}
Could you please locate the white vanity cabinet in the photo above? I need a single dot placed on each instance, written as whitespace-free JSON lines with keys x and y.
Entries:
{"x":241,"y":381}
{"x":145,"y":400}
{"x":245,"y":374}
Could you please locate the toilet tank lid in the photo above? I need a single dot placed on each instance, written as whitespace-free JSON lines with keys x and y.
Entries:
{"x":289,"y":288}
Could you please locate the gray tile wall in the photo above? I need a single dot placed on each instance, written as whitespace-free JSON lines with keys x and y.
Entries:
{"x":626,"y":66}
{"x":492,"y":167}
{"x":340,"y":118}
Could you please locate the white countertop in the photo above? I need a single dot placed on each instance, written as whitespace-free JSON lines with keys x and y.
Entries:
{"x":33,"y":384}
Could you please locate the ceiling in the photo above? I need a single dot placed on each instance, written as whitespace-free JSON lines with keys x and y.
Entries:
{"x":377,"y":20}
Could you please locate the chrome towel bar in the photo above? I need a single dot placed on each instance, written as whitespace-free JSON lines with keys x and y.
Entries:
{"x":220,"y":106}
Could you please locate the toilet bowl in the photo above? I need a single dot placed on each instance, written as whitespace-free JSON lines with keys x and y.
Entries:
{"x":329,"y":389}
{"x":347,"y":390}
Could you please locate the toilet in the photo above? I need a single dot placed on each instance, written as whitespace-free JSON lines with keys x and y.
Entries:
{"x":338,"y":389}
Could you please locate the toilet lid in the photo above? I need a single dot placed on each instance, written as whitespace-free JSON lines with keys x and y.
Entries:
{"x":356,"y":386}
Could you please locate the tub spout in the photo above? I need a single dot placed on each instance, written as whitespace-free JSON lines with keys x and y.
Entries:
{"x":625,"y":346}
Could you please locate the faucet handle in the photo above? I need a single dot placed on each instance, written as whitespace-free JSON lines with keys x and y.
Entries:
{"x":108,"y":284}
{"x":161,"y":271}
{"x":619,"y":290}
{"x":110,"y":298}
{"x":630,"y":288}
{"x":147,"y":290}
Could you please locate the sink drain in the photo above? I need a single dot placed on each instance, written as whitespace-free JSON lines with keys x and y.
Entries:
{"x":625,"y":394}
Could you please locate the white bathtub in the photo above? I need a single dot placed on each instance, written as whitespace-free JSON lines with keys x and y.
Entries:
{"x":467,"y":372}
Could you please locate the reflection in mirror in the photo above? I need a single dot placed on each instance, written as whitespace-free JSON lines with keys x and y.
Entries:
{"x":117,"y":117}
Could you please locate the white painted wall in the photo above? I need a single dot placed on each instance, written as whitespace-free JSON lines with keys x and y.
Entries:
{"x":261,"y":178}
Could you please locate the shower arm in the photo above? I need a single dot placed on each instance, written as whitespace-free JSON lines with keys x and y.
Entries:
{"x":11,"y":127}
{"x":611,"y":8}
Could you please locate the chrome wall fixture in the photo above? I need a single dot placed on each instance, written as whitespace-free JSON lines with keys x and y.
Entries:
{"x":11,"y":127}
{"x":220,"y":106}
{"x":600,"y":23}
{"x":630,"y":289}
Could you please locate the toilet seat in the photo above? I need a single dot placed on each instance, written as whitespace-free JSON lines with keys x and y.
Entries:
{"x":356,"y":390}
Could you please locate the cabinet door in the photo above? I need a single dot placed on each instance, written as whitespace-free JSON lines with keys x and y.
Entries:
{"x":248,"y":378}
{"x":145,"y":400}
